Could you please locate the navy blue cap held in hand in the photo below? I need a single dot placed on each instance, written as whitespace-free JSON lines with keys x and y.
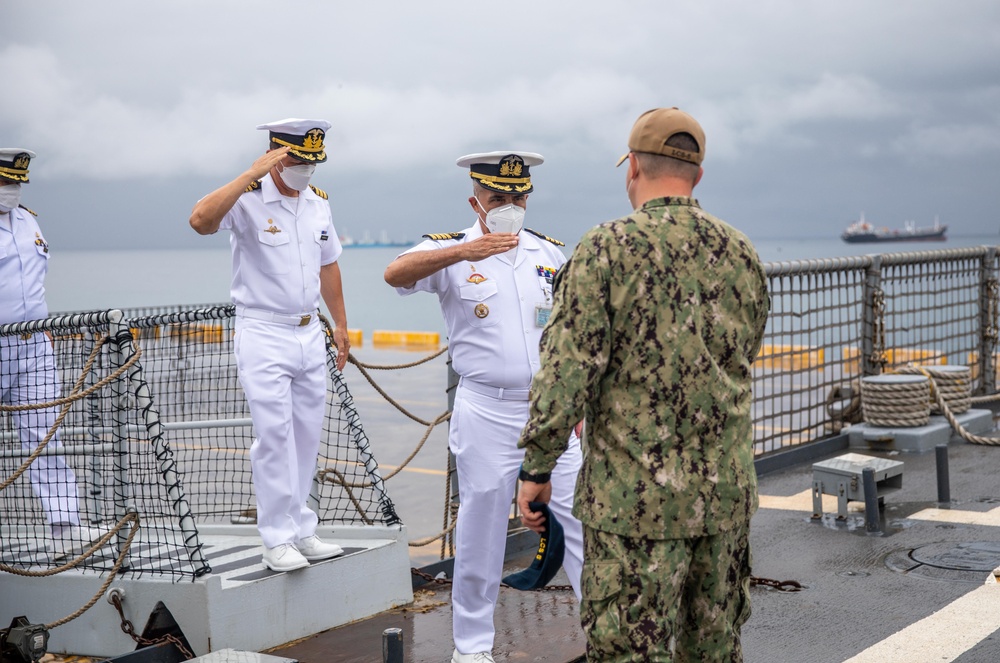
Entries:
{"x":549,"y":557}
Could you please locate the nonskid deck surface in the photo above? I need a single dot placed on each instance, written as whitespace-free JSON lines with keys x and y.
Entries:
{"x":913,"y":592}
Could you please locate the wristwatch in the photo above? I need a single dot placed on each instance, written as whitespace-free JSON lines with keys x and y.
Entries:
{"x":523,"y":475}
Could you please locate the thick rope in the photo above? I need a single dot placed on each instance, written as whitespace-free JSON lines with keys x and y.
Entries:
{"x":954,"y":386}
{"x":324,"y":475}
{"x":129,"y":517}
{"x":945,"y":389}
{"x":904,"y":404}
{"x":67,"y":402}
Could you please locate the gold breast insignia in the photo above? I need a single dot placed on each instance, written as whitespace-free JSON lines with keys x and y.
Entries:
{"x":271,"y":228}
{"x":482,"y":310}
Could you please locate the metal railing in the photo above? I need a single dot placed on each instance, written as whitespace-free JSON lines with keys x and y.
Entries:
{"x":834,"y":321}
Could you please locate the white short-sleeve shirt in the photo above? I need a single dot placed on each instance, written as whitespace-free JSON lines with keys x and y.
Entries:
{"x":278,"y":246}
{"x":494,"y":310}
{"x":24,"y":262}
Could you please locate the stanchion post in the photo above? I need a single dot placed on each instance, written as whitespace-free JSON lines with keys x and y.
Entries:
{"x":871,"y":500}
{"x":392,"y":645}
{"x":943,"y":482}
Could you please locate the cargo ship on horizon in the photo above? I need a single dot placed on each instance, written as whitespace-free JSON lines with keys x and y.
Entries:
{"x":862,"y":232}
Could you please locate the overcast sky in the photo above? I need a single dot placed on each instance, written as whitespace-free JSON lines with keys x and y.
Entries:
{"x":814,"y":111}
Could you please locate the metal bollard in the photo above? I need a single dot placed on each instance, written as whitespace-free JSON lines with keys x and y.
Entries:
{"x":392,"y":645}
{"x":943,"y":483}
{"x":871,"y":500}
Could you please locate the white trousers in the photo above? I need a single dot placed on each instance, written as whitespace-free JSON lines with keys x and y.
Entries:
{"x":27,"y":376}
{"x":283,"y":373}
{"x":483,"y":436}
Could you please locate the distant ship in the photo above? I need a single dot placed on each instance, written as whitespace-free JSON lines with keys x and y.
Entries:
{"x":366,"y":241}
{"x":862,"y":232}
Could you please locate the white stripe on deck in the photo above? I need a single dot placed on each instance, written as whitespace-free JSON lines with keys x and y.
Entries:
{"x":989,"y":518}
{"x":944,"y":635}
{"x":803,"y":502}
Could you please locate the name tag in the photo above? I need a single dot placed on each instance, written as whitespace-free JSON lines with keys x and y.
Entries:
{"x":542,"y":314}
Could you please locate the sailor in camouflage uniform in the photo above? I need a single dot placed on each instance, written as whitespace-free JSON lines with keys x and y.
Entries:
{"x":657,"y":319}
{"x":494,"y":283}
{"x":285,"y":252}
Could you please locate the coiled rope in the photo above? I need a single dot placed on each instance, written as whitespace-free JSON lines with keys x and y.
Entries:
{"x":908,"y":399}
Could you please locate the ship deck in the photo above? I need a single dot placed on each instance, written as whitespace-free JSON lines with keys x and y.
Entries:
{"x":912,"y":592}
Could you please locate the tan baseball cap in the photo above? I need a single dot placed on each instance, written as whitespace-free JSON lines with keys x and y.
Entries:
{"x":654,"y":128}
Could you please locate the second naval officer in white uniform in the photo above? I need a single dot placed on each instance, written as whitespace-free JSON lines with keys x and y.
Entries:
{"x":494,"y":284}
{"x":285,"y":252}
{"x":27,"y":366}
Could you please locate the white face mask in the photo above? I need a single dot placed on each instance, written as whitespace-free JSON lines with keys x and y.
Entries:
{"x":297,"y":177}
{"x":504,"y":219}
{"x":10,"y":197}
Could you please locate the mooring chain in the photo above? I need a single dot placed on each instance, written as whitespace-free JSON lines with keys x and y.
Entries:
{"x":878,"y":328}
{"x":67,"y":403}
{"x":992,"y":331}
{"x":447,"y":581}
{"x":780,"y":585}
{"x":129,"y":629}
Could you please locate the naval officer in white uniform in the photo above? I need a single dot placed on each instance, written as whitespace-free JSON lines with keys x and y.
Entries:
{"x":27,"y":368}
{"x":494,"y":284}
{"x":285,"y":252}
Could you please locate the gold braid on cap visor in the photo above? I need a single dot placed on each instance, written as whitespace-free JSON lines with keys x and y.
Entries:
{"x":502,"y":182}
{"x":307,"y":153}
{"x":17,"y":174}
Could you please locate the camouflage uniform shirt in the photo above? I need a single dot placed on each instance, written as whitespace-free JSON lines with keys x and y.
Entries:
{"x":657,"y":319}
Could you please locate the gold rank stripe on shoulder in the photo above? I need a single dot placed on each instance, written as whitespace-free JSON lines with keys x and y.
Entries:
{"x":319,"y":192}
{"x":545,"y":237}
{"x":254,"y":186}
{"x":29,"y":211}
{"x":440,"y":236}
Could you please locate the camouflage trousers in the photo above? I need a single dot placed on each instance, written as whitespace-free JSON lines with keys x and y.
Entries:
{"x":681,"y":600}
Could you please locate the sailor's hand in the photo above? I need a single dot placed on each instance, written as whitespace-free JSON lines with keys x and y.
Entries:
{"x":343,"y":343}
{"x":533,"y":492}
{"x":488,"y":245}
{"x":265,"y":162}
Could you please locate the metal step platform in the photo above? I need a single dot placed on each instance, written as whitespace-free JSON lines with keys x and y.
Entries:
{"x":240,"y":604}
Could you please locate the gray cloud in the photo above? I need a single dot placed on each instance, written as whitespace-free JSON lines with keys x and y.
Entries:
{"x":813,"y":111}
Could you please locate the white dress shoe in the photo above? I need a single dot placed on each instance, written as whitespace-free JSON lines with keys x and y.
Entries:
{"x":481,"y":657}
{"x":72,"y":541}
{"x":284,"y":557}
{"x":314,"y":549}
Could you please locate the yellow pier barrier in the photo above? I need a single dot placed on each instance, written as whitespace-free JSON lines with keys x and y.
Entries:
{"x":405,"y":338}
{"x":789,"y":357}
{"x":355,"y":336}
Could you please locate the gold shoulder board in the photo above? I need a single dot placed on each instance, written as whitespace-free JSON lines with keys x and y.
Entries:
{"x":545,"y":237}
{"x":319,"y":192}
{"x":440,"y":236}
{"x":29,"y":211}
{"x":253,"y":187}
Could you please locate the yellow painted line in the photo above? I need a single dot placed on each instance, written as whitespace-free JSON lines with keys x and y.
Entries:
{"x":945,"y":635}
{"x":799,"y":502}
{"x":418,"y":470}
{"x":989,"y":518}
{"x":330,"y":462}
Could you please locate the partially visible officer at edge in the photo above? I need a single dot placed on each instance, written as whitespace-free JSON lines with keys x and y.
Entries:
{"x":285,"y":252}
{"x":657,"y":319}
{"x":27,"y":366}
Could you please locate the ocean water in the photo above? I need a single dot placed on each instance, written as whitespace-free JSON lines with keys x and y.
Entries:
{"x":97,"y":280}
